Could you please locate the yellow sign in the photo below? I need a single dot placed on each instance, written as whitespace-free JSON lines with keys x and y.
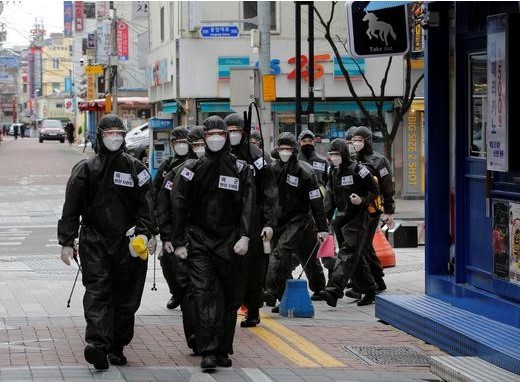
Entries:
{"x":94,"y":69}
{"x":269,"y":87}
{"x":108,"y":103}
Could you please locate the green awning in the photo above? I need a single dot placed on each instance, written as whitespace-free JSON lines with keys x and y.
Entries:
{"x":169,"y":107}
{"x":215,"y":107}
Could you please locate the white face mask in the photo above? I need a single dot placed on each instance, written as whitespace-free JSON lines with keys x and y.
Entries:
{"x":215,"y":142}
{"x":351,"y":149}
{"x":181,"y":149}
{"x":336,"y":160}
{"x":235,"y":138}
{"x":113,"y":143}
{"x":358,"y":145}
{"x":285,"y":155}
{"x":199,"y":151}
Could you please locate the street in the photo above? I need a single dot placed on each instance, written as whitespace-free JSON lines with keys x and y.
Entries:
{"x":42,"y":339}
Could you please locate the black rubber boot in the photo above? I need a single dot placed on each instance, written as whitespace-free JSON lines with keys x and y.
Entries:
{"x":96,"y":356}
{"x":116,"y":357}
{"x":270,"y":299}
{"x":209,"y":362}
{"x":223,"y":360}
{"x":367,"y":299}
{"x":173,"y":303}
{"x":251,"y":320}
{"x":329,"y":297}
{"x":352,"y":293}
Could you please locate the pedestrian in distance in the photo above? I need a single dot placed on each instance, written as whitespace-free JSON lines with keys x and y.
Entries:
{"x":351,"y":203}
{"x":264,"y":216}
{"x":301,"y":222}
{"x":213,"y":199}
{"x":109,"y":199}
{"x":15,"y":131}
{"x":69,"y":130}
{"x":22,"y":130}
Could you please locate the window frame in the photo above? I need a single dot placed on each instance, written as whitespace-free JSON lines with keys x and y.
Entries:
{"x":275,"y":30}
{"x":472,"y":97}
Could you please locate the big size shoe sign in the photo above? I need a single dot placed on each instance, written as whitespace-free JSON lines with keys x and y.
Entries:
{"x":381,"y":32}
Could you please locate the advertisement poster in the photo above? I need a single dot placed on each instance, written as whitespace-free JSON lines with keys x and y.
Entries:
{"x":500,"y":239}
{"x":122,"y":40}
{"x":514,"y":262}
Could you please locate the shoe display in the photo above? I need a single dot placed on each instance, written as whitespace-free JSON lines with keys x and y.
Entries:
{"x":173,"y":303}
{"x":208,"y":362}
{"x":223,"y":360}
{"x":352,"y":293}
{"x":316,"y":297}
{"x":96,"y":356}
{"x":367,"y":299}
{"x":329,"y":297}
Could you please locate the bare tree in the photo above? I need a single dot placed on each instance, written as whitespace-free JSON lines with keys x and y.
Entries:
{"x":376,"y":121}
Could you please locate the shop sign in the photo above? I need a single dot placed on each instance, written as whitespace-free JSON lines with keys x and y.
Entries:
{"x":122,"y":40}
{"x":91,"y":87}
{"x":226,"y":63}
{"x":354,"y":66}
{"x":382,"y":32}
{"x":497,"y":77}
{"x":78,"y":16}
{"x":412,"y":145}
{"x":269,"y":87}
{"x":67,"y":18}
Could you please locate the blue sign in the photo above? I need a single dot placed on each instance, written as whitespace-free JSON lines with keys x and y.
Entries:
{"x":209,"y":31}
{"x":226,"y":63}
{"x":350,"y":65}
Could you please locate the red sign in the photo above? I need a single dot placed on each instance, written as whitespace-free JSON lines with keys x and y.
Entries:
{"x":122,"y":40}
{"x":78,"y":16}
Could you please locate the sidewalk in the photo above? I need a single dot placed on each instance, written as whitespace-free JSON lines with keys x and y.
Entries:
{"x":40,"y":339}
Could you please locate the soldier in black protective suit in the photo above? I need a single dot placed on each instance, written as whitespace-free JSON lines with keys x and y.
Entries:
{"x":308,"y":154}
{"x":264,"y":216}
{"x":179,"y":142}
{"x":111,"y":192}
{"x":352,"y":195}
{"x":177,"y":269}
{"x":382,"y":170}
{"x":301,"y":222}
{"x":213,"y":200}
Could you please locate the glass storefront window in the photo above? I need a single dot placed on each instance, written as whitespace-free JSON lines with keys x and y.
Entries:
{"x":478,"y":105}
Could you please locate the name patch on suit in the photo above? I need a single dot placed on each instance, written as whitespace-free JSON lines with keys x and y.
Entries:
{"x":240,"y":166}
{"x":363,"y":172}
{"x":383,"y":172}
{"x":259,"y":163}
{"x":318,"y":166}
{"x":187,"y":174}
{"x":123,"y":179}
{"x":168,"y":185}
{"x":228,"y":183}
{"x":143,"y":177}
{"x":347,"y":180}
{"x":314,"y":194}
{"x":292,"y":180}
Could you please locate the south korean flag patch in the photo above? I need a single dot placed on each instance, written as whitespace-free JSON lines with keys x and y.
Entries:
{"x":187,"y":174}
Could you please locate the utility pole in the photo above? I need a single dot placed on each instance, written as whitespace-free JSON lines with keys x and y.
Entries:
{"x":113,"y":59}
{"x":264,"y":56}
{"x":310,"y":108}
{"x":298,"y":93}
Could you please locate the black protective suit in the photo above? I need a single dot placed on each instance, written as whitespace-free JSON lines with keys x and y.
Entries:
{"x":111,"y":192}
{"x":308,"y":154}
{"x":382,"y":170}
{"x":163,"y":207}
{"x":299,"y":196}
{"x":175,"y":270}
{"x":264,"y":213}
{"x":213,"y":200}
{"x":350,"y":221}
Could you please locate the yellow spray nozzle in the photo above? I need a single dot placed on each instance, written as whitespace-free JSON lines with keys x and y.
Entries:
{"x":138,"y":247}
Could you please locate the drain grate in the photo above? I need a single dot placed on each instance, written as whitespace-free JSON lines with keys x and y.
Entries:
{"x":389,"y":355}
{"x":50,"y":266}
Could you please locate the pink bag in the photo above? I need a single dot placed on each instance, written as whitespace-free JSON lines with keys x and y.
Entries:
{"x":327,"y":248}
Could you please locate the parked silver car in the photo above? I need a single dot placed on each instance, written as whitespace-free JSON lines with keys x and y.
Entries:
{"x":137,"y":142}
